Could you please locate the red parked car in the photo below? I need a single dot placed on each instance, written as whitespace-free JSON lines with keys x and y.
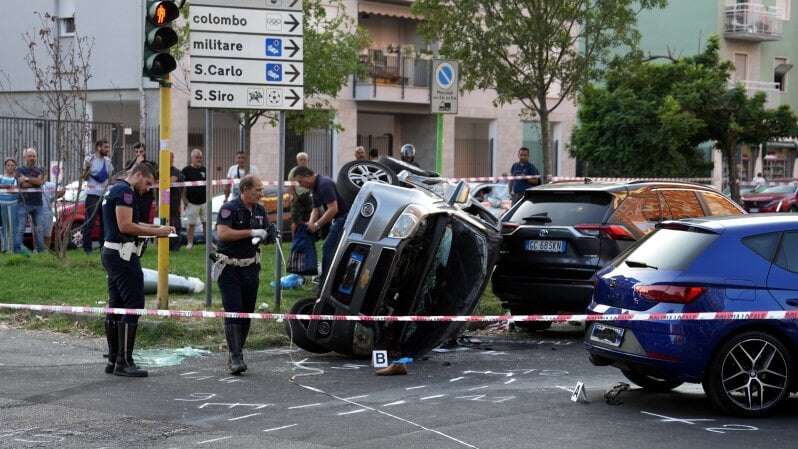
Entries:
{"x":778,"y":198}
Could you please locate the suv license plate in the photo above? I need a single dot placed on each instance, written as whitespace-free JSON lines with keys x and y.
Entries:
{"x":610,"y":335}
{"x":350,"y":275}
{"x":753,"y":210}
{"x":546,"y":246}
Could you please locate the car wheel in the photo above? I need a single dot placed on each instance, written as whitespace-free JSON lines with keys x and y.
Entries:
{"x":75,"y":236}
{"x":750,"y":375}
{"x":297,"y":330}
{"x":533,"y":326}
{"x":651,"y":383}
{"x":356,"y":173}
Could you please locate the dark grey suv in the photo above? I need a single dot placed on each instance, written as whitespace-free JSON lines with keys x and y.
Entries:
{"x":559,"y":235}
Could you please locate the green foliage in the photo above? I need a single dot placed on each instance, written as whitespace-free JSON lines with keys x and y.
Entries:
{"x":649,"y":117}
{"x":536,"y":52}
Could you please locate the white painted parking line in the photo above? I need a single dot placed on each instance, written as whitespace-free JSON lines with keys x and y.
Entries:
{"x":394,"y":403}
{"x":416,"y":388}
{"x":244,"y":417}
{"x":360,"y":410}
{"x":215,"y":439}
{"x":304,"y":406}
{"x":356,"y":397}
{"x":456,"y":379}
{"x":280,"y":428}
{"x":432,"y":397}
{"x":478,"y":388}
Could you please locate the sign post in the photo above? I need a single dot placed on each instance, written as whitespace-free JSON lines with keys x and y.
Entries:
{"x":443,"y":100}
{"x":247,"y":54}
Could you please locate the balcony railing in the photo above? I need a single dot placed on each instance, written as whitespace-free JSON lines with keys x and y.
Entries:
{"x":771,"y":91}
{"x":753,"y":21}
{"x":395,"y":76}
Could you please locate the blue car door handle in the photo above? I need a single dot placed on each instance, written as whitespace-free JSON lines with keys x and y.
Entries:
{"x":792,"y":302}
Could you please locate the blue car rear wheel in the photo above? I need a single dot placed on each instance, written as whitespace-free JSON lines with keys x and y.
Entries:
{"x":751,"y":375}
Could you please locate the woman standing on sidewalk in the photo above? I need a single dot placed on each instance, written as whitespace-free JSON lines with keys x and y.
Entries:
{"x":8,"y":205}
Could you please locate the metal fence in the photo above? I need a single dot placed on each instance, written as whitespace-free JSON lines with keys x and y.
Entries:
{"x":473,"y":157}
{"x":317,"y":143}
{"x":383,"y":144}
{"x":403,"y":70}
{"x":17,"y":133}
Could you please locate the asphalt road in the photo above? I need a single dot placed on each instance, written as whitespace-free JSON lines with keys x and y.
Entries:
{"x":495,"y":393}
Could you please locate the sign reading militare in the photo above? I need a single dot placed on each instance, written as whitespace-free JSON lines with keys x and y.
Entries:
{"x":246,"y":54}
{"x":444,"y":91}
{"x":246,"y":46}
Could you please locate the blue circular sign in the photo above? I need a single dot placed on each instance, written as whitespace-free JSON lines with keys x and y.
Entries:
{"x":444,"y":75}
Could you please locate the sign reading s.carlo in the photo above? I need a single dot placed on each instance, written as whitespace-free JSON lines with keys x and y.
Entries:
{"x":444,"y":91}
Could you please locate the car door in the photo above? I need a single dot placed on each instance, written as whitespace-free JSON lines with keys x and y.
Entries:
{"x":783,"y":277}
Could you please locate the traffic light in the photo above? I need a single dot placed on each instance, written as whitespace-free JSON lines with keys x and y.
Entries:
{"x":159,"y":37}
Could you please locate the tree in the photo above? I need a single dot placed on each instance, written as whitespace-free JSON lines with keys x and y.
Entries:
{"x":536,"y":52}
{"x":61,"y":70}
{"x":631,"y":124}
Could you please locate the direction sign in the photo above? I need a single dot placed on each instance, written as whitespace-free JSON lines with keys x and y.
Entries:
{"x":444,"y":91}
{"x":240,"y":96}
{"x":246,"y":46}
{"x":241,"y":71}
{"x":290,"y":5}
{"x":252,"y":21}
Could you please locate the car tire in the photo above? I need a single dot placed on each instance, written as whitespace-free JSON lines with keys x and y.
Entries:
{"x":733,"y":378}
{"x":533,"y":326}
{"x":297,"y":330}
{"x":354,"y":174}
{"x":651,"y":383}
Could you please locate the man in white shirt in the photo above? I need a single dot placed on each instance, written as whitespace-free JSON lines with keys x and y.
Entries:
{"x":759,"y":181}
{"x":97,"y":170}
{"x":238,"y":171}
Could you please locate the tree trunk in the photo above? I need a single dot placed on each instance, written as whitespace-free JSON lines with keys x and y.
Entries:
{"x":545,"y":143}
{"x":731,"y":164}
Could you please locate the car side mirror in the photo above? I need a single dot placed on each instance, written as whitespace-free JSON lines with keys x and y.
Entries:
{"x":460,"y":194}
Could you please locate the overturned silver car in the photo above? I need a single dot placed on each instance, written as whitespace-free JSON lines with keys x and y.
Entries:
{"x":423,"y":247}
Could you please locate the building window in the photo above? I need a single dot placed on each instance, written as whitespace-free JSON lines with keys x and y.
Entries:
{"x":66,"y":26}
{"x":740,"y":66}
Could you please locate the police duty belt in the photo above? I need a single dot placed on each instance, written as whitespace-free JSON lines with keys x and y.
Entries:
{"x":221,"y":261}
{"x":125,"y":250}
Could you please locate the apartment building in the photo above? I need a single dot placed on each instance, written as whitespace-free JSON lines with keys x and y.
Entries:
{"x":760,"y":37}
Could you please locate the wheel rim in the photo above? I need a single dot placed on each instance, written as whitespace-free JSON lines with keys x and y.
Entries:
{"x":77,"y":237}
{"x":360,"y":174}
{"x":754,"y":374}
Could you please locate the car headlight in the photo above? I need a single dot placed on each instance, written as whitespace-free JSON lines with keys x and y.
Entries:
{"x":407,"y":222}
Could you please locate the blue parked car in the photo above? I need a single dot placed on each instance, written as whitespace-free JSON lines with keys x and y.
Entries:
{"x":724,"y":264}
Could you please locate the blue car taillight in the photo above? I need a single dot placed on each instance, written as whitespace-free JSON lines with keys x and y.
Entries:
{"x":679,"y":294}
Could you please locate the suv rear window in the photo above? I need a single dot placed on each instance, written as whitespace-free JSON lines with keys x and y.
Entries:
{"x":562,"y":208}
{"x":657,"y":250}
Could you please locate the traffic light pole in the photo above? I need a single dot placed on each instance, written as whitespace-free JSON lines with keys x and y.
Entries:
{"x":164,"y":182}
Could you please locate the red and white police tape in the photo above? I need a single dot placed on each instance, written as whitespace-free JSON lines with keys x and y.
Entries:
{"x":626,"y":316}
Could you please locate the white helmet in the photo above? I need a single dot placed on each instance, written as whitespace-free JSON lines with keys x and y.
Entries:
{"x":407,"y":150}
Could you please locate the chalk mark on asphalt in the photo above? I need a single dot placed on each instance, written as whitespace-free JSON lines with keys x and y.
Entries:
{"x":305,"y":406}
{"x":214,"y":440}
{"x":352,"y":412}
{"x":280,"y":428}
{"x":244,"y":417}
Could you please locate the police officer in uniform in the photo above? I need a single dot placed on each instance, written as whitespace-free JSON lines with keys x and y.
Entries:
{"x":241,"y":225}
{"x":120,"y":257}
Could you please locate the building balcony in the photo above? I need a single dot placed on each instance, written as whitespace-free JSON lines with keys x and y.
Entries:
{"x":394,"y":77}
{"x":771,"y":90}
{"x":753,"y":22}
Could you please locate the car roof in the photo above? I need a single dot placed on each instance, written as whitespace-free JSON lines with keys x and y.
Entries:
{"x":758,"y":222}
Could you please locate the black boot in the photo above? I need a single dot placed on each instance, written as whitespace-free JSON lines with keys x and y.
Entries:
{"x":112,"y":335}
{"x":124,"y":359}
{"x":244,"y":334}
{"x":235,"y":361}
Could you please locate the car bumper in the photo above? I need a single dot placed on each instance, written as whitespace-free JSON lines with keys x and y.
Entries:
{"x":523,"y":295}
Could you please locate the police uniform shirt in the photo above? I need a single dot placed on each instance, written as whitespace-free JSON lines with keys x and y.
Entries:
{"x":120,"y":195}
{"x":236,"y":216}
